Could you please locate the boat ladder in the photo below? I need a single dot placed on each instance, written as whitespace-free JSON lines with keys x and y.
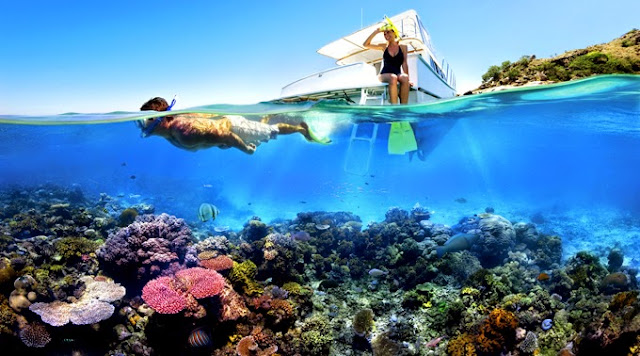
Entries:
{"x":360,"y":150}
{"x":373,"y":93}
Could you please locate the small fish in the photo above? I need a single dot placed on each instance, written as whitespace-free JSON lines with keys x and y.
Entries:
{"x":207,"y":186}
{"x":132,"y":177}
{"x":221,"y":229}
{"x":366,"y":183}
{"x":322,"y":226}
{"x":303,"y":202}
{"x":123,"y":164}
{"x":199,"y":338}
{"x":249,"y":203}
{"x":134,"y":196}
{"x":461,"y":200}
{"x":434,"y":342}
{"x":207,"y":211}
{"x":374,"y":272}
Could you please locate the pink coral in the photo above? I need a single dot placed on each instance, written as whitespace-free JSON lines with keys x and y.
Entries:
{"x":201,"y":282}
{"x":161,"y":295}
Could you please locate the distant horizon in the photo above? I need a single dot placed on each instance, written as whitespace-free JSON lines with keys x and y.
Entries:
{"x":88,"y":58}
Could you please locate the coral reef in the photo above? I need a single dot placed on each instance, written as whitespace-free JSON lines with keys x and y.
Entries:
{"x":320,"y":284}
{"x":145,"y":247}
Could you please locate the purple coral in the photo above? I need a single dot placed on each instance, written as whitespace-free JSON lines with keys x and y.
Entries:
{"x":147,"y":245}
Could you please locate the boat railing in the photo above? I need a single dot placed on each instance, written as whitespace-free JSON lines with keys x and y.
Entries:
{"x":412,"y":29}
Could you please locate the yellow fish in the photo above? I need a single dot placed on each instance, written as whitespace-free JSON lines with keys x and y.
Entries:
{"x":207,"y":211}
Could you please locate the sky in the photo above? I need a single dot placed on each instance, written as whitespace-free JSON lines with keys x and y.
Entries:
{"x":103,"y":56}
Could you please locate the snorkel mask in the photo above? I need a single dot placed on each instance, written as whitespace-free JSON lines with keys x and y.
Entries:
{"x":146,"y":131}
{"x":389,"y":26}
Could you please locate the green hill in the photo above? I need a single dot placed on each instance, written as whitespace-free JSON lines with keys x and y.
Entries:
{"x":622,"y":55}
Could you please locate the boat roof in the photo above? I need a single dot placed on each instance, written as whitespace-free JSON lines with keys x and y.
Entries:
{"x":350,"y":49}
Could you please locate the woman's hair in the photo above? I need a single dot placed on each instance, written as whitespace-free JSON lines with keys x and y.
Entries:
{"x":156,"y":104}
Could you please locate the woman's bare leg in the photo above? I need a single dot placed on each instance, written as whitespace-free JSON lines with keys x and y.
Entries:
{"x":286,"y":129}
{"x":404,"y":88}
{"x":392,"y":79}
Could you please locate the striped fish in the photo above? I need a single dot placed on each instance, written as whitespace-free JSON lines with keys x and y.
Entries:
{"x":207,"y":211}
{"x":199,"y":338}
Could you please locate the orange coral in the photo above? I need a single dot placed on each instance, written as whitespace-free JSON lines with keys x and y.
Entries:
{"x":543,"y":277}
{"x":262,"y":302}
{"x":463,"y":345}
{"x":497,"y":331}
{"x":281,"y":309}
{"x":219,"y":263}
{"x":248,"y":346}
{"x":623,"y":299}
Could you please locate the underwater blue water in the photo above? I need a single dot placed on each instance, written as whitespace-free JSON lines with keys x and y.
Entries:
{"x":567,"y":152}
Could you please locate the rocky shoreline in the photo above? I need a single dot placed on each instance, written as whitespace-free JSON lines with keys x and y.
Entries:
{"x":621,"y":55}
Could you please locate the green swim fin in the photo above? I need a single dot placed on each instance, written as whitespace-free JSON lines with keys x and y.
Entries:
{"x":314,"y":138}
{"x":401,"y":138}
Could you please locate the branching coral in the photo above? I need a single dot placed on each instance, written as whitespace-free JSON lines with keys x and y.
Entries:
{"x":146,"y":246}
{"x":497,"y":331}
{"x":462,"y":345}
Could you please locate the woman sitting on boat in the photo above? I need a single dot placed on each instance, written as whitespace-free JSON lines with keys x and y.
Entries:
{"x":395,"y":58}
{"x":194,"y":131}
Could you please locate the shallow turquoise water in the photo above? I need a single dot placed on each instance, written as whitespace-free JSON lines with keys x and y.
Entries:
{"x":569,"y":152}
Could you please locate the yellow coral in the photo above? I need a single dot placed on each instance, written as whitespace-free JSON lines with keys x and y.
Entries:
{"x":243,"y":274}
{"x":462,"y":345}
{"x":134,"y":319}
{"x":469,"y":291}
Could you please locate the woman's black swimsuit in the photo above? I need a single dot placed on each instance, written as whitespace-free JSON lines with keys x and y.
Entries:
{"x":392,"y":64}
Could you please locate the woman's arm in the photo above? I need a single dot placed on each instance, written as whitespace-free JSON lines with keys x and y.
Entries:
{"x":367,"y":42}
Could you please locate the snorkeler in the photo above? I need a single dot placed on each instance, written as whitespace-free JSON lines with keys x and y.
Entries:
{"x":194,"y":131}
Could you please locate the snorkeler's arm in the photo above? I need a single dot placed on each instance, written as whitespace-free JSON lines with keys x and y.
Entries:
{"x":367,"y":42}
{"x":234,"y":140}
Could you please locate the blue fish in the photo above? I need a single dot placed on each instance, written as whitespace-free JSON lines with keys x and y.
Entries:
{"x":199,"y":338}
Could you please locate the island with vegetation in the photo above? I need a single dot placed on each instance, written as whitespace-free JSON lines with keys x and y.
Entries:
{"x":622,"y":55}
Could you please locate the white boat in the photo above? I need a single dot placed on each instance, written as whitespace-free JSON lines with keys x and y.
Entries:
{"x":355,"y":78}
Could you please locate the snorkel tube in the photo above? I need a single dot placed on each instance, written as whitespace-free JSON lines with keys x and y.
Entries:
{"x":390,"y":26}
{"x":147,"y":131}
